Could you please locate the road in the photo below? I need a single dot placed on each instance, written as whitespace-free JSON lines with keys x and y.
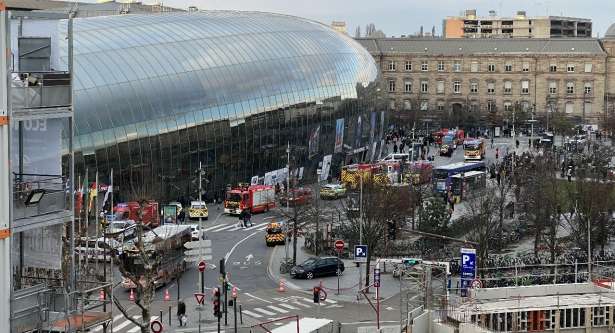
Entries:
{"x":246,"y":259}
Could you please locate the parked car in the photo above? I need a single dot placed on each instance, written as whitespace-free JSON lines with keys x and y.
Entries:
{"x":314,"y":267}
{"x":196,"y":231}
{"x":297,"y":196}
{"x":332,"y":191}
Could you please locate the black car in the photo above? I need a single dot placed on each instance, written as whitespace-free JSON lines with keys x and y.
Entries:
{"x":313,"y":267}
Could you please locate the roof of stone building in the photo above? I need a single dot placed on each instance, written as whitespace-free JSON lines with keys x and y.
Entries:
{"x":458,"y":46}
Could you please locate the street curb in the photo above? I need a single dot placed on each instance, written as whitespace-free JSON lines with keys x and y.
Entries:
{"x":273,"y":277}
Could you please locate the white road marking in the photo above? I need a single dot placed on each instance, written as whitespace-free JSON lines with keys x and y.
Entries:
{"x":125,"y":323}
{"x":288,"y":306}
{"x":262,"y":228}
{"x":256,"y":226}
{"x":228,"y":255}
{"x":214,"y":227}
{"x":268,"y":313}
{"x":221,"y":229}
{"x":301,"y":304}
{"x":275,"y":308}
{"x":251,"y":314}
{"x":258,"y":298}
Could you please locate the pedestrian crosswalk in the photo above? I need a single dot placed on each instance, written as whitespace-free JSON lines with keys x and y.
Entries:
{"x":234,"y":227}
{"x":283,"y":306}
{"x":123,"y":325}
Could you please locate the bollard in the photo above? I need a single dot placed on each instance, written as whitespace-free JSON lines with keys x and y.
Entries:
{"x":240,"y":315}
{"x":161,"y":316}
{"x":170,"y":307}
{"x":282,"y":287}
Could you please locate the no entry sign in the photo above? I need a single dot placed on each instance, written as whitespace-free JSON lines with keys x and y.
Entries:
{"x":339,"y":245}
{"x":202,"y":265}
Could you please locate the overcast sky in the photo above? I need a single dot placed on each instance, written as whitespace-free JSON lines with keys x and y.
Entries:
{"x":397,"y":17}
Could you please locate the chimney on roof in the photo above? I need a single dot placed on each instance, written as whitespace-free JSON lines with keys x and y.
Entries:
{"x":492,"y":13}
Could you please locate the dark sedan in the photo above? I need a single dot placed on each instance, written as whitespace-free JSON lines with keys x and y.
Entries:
{"x":314,"y":267}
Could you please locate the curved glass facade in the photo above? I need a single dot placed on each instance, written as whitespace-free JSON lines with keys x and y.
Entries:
{"x":156,"y":94}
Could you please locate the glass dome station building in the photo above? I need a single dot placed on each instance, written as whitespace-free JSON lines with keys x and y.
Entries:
{"x":154,"y":95}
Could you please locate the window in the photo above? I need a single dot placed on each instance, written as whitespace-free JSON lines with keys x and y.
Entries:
{"x":424,"y":66}
{"x":392,"y":104}
{"x":408,"y":66}
{"x":526,"y":67}
{"x":587,"y":88}
{"x":391,"y":85}
{"x":601,"y":316}
{"x":507,"y":106}
{"x":525,"y":106}
{"x":424,"y":87}
{"x":474,"y":87}
{"x":440,"y":87}
{"x":569,"y":107}
{"x":392,"y":66}
{"x":491,"y":67}
{"x":407,"y":105}
{"x":525,"y":87}
{"x":490,"y":88}
{"x":508,"y":68}
{"x":553,"y":68}
{"x":474,"y":67}
{"x":408,"y":86}
{"x":474,"y":107}
{"x":440,"y":66}
{"x":552,"y":88}
{"x":507,"y":87}
{"x":587,"y":107}
{"x":588,"y":68}
{"x":457,"y":67}
{"x":424,"y":105}
{"x":491,"y":106}
{"x":457,"y":87}
{"x":570,"y":68}
{"x":570,"y":88}
{"x":440,"y":106}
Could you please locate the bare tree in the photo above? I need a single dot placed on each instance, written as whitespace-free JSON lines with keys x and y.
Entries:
{"x":481,"y":206}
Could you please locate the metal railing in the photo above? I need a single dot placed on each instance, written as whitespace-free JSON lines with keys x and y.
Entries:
{"x":35,"y":90}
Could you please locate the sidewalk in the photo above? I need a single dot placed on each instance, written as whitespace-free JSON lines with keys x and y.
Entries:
{"x":348,"y":282}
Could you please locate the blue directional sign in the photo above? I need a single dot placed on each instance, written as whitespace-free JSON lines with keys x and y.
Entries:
{"x":468,"y":269}
{"x":360,"y":253}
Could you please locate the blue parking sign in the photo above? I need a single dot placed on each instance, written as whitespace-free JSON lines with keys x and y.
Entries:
{"x":360,"y":253}
{"x":467,"y":269}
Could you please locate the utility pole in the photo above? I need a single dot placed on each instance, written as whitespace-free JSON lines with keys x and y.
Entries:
{"x":202,"y":275}
{"x":360,"y":226}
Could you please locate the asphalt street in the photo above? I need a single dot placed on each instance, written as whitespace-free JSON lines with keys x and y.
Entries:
{"x":247,"y":259}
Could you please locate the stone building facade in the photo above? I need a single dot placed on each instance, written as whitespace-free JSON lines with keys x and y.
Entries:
{"x":490,"y":77}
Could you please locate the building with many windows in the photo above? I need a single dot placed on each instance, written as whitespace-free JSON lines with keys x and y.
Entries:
{"x":489,"y":78}
{"x":518,"y":26}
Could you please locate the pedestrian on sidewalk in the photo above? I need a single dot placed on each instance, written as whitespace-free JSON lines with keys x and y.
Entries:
{"x":246,"y":218}
{"x":497,"y":153}
{"x":181,"y":312}
{"x":395,"y":148}
{"x":569,"y":174}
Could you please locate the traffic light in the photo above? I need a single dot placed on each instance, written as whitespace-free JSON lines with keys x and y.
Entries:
{"x":216,"y":302}
{"x":316,"y":295}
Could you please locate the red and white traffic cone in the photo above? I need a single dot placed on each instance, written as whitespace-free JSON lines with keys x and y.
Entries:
{"x":101,"y":295}
{"x":282,"y":287}
{"x":131,"y":297}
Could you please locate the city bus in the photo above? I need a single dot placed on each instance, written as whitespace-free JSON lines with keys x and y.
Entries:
{"x":466,"y":183}
{"x":442,"y":180}
{"x":474,"y":149}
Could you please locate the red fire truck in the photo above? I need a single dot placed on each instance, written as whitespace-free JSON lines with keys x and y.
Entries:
{"x":256,"y":198}
{"x":130,"y":211}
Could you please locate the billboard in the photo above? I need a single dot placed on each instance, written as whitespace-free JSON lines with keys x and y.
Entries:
{"x":339,"y":136}
{"x":358,"y":133}
{"x":326,"y":165}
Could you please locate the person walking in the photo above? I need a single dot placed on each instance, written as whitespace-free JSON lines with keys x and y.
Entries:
{"x":569,"y":174}
{"x":181,"y":313}
{"x":246,"y":218}
{"x":517,"y":143}
{"x":497,"y":153}
{"x":395,"y":148}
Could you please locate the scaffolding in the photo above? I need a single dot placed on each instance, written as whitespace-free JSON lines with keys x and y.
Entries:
{"x":37,"y":190}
